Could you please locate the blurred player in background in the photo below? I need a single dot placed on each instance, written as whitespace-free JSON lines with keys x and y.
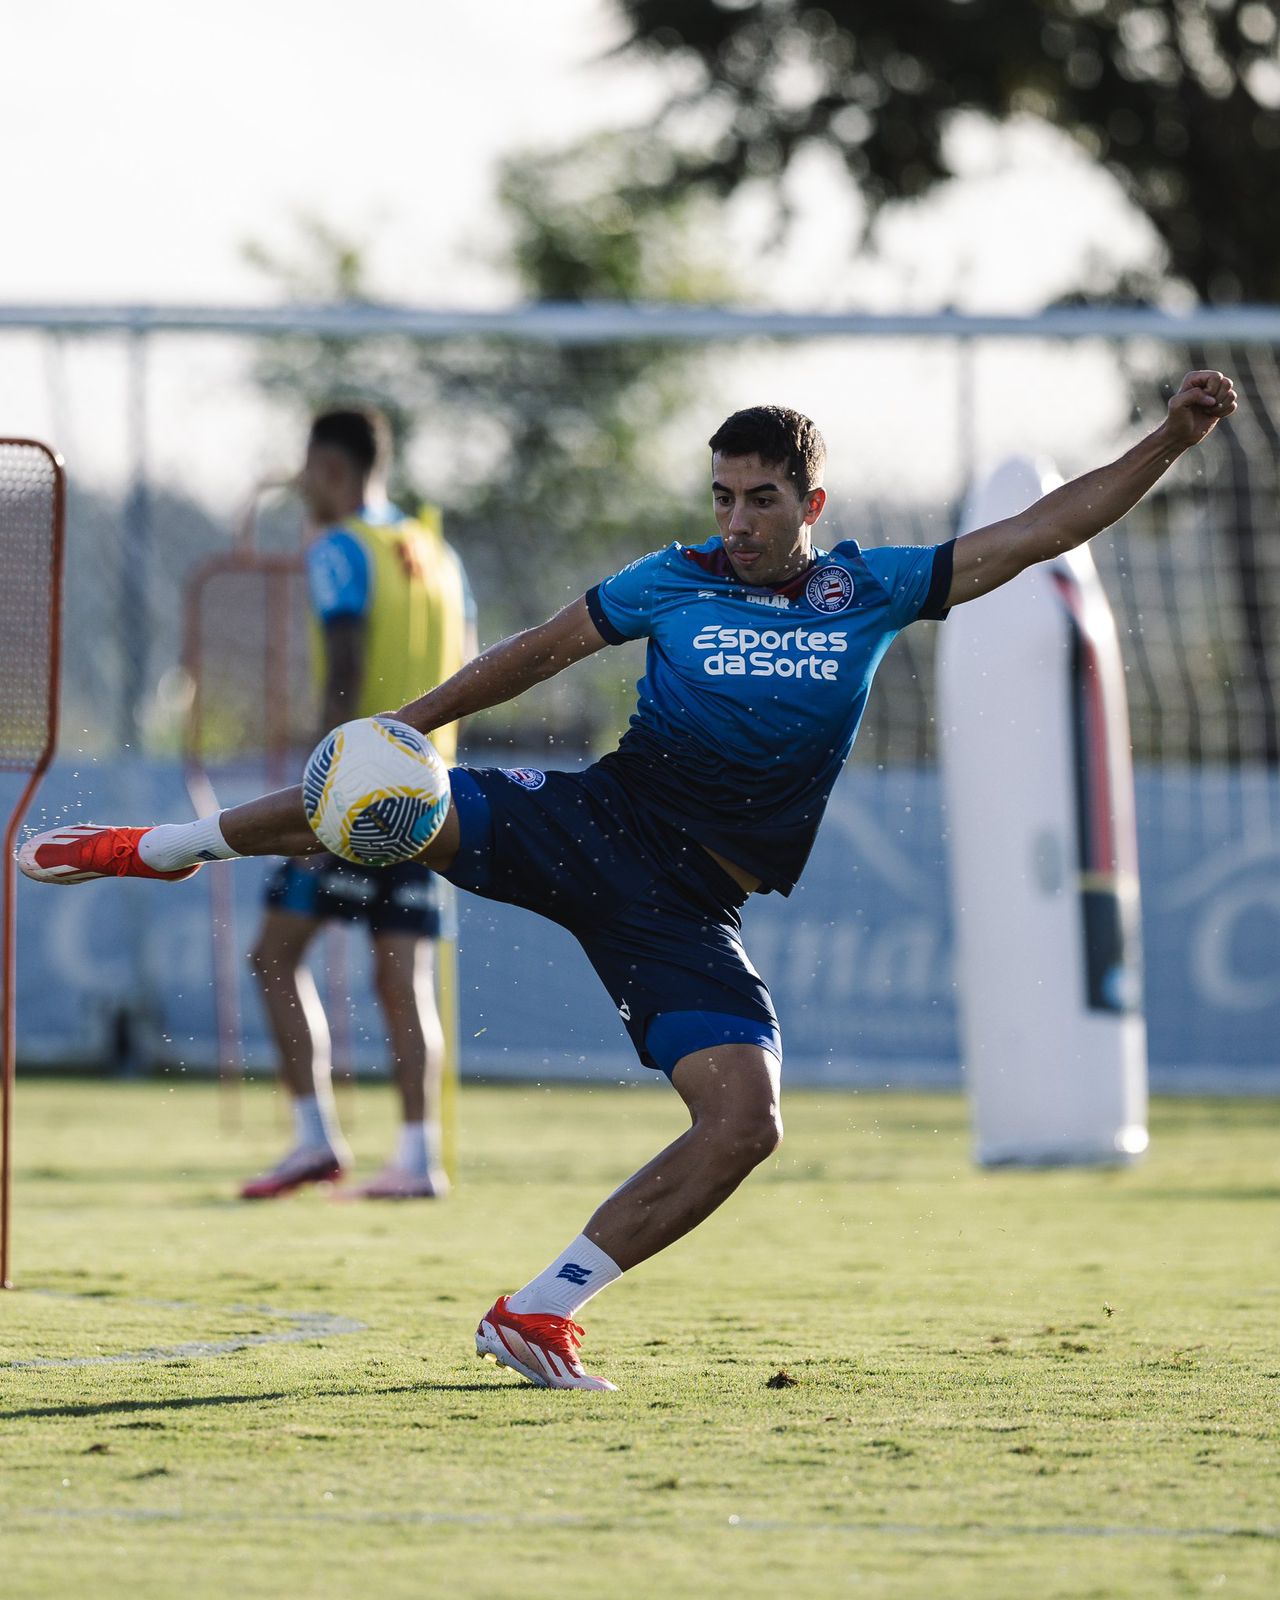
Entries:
{"x":392,"y":611}
{"x":761,"y":651}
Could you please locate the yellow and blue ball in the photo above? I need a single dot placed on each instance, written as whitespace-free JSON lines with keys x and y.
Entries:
{"x":375,"y":791}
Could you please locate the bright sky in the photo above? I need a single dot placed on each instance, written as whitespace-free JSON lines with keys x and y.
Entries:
{"x":149,"y":142}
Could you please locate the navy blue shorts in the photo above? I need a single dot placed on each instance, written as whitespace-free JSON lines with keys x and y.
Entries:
{"x":401,"y":899}
{"x":656,"y":915}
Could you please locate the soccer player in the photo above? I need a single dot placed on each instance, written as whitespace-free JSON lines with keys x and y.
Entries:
{"x":761,"y":650}
{"x":392,"y":604}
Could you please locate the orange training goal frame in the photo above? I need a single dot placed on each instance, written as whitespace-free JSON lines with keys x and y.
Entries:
{"x":32,"y":537}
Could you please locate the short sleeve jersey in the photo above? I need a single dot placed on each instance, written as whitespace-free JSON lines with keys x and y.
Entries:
{"x":751,"y":697}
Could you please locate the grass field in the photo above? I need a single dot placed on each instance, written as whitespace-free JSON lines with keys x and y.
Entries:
{"x":1000,"y":1384}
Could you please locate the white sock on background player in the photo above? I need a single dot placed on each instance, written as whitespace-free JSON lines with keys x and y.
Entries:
{"x":174,"y":845}
{"x":418,"y":1149}
{"x":315,"y":1123}
{"x":568,"y":1283}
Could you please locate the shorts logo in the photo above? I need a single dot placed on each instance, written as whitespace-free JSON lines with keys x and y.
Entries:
{"x":829,"y":589}
{"x":624,"y":1011}
{"x":526,"y":777}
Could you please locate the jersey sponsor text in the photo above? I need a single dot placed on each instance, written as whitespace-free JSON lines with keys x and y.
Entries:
{"x":771,"y":652}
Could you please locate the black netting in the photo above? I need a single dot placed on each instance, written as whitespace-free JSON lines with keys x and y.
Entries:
{"x":552,"y":473}
{"x":249,"y":656}
{"x":28,"y":522}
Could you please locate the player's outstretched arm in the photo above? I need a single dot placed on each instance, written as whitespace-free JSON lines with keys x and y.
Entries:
{"x":1071,"y":515}
{"x":507,"y":669}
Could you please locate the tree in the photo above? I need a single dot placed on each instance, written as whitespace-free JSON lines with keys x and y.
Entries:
{"x":1179,"y":99}
{"x":547,"y":458}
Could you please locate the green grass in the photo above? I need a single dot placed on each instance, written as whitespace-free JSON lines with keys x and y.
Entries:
{"x":1013,"y":1384}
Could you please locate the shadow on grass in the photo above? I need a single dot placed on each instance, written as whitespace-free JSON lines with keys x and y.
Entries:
{"x":180,"y":1403}
{"x":494,"y":1387}
{"x":1268,"y":1193}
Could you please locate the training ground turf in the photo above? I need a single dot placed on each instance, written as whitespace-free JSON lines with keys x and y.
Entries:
{"x":1003,"y":1384}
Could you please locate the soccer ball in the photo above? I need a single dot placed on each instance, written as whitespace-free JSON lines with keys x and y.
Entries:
{"x":375,"y":791}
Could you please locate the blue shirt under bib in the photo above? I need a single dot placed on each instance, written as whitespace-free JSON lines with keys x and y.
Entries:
{"x":751,"y":697}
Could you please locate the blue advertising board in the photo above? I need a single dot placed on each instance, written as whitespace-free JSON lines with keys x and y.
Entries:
{"x":858,"y":958}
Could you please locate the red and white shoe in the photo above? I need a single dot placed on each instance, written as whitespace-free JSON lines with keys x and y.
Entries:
{"x":394,"y":1183}
{"x":539,"y":1347}
{"x":298,"y":1168}
{"x":78,"y":852}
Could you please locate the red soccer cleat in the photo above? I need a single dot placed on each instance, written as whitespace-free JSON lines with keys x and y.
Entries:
{"x":298,"y":1168}
{"x":539,"y":1347}
{"x":76,"y":853}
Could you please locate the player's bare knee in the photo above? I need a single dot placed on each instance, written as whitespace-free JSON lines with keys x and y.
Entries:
{"x":761,"y":1135}
{"x":272,"y":966}
{"x":741,"y":1134}
{"x":395,"y":976}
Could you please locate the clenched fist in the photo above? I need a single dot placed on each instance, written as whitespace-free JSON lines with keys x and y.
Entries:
{"x":1201,"y":402}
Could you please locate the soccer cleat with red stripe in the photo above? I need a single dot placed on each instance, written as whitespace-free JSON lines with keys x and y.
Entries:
{"x":79,"y":852}
{"x":539,"y":1347}
{"x":298,"y":1168}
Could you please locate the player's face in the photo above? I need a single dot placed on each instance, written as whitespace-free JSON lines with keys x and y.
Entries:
{"x":329,"y":485}
{"x":763,"y":522}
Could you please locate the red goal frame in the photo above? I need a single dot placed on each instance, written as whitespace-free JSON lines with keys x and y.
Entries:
{"x":278,"y":757}
{"x":35,"y":770}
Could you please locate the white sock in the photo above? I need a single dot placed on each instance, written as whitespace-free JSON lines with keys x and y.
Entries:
{"x":173,"y":845}
{"x":418,"y":1150}
{"x":315,"y":1123}
{"x":569,"y":1282}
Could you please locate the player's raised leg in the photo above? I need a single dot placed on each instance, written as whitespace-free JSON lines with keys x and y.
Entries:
{"x":732,"y":1093}
{"x":272,"y":825}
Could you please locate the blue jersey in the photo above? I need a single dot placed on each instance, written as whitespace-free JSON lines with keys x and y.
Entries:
{"x":751,"y":697}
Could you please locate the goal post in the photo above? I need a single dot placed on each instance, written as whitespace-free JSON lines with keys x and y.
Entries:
{"x":32,"y":524}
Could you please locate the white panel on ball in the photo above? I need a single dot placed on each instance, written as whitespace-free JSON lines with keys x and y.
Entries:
{"x":1038,"y":781}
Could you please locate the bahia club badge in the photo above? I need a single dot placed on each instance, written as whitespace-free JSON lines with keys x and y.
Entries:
{"x":829,"y":589}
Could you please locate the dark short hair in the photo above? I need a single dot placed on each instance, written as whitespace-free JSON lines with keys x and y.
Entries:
{"x":361,"y":433}
{"x":781,"y":437}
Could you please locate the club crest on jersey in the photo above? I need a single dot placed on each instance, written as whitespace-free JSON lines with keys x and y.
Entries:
{"x":526,"y":777}
{"x":829,"y":589}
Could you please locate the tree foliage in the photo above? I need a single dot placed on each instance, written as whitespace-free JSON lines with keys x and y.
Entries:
{"x":1179,"y":99}
{"x":547,"y":445}
{"x":548,"y":458}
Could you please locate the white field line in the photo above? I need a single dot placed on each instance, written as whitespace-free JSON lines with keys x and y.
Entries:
{"x":303,"y":1326}
{"x":481,"y":1519}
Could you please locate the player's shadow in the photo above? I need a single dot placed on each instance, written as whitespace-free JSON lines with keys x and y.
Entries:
{"x":445,"y":1387}
{"x":180,"y":1403}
